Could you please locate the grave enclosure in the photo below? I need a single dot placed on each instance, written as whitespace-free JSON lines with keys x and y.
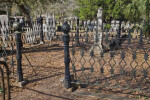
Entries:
{"x":97,"y":55}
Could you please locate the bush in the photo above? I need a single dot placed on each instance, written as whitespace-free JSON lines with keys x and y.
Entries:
{"x":146,"y":30}
{"x":107,"y":26}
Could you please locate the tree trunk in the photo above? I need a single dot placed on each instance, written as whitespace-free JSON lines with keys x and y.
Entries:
{"x":23,"y":9}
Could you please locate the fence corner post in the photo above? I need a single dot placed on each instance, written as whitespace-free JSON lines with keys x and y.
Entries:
{"x":17,"y":28}
{"x":66,"y":39}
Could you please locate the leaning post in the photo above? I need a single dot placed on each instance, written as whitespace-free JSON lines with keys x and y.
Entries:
{"x":66,"y":39}
{"x":17,"y":28}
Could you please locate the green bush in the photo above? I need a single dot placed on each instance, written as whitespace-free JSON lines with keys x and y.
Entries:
{"x":136,"y":27}
{"x":107,"y":26}
{"x":146,"y":30}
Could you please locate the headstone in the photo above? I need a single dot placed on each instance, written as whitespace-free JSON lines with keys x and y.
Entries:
{"x":99,"y":17}
{"x":85,"y":24}
{"x":100,"y":27}
{"x":115,"y":26}
{"x":98,"y":34}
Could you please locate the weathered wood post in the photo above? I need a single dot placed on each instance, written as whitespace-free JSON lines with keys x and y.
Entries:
{"x":66,"y":39}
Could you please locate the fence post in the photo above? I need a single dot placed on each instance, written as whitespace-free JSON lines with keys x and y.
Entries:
{"x":17,"y":28}
{"x":77,"y":33}
{"x":41,"y":33}
{"x":66,"y":39}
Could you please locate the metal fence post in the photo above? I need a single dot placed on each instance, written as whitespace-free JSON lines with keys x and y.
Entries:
{"x":77,"y":33}
{"x":17,"y":28}
{"x":41,"y":33}
{"x":66,"y":39}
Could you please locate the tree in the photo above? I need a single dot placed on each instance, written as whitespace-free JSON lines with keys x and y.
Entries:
{"x":112,"y":10}
{"x":138,"y":11}
{"x":5,"y":8}
{"x":32,"y":5}
{"x":64,"y":8}
{"x":87,"y":9}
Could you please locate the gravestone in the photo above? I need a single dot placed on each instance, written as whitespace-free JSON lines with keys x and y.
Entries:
{"x":99,"y":28}
{"x":88,"y":24}
{"x":115,"y":26}
{"x":98,"y":34}
{"x":99,"y":18}
{"x":112,"y":25}
{"x":85,"y":24}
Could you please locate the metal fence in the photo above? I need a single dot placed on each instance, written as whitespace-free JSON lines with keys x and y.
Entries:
{"x":4,"y":85}
{"x":122,"y":63}
{"x":111,"y":60}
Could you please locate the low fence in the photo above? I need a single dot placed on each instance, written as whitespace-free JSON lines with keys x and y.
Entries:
{"x":123,"y":63}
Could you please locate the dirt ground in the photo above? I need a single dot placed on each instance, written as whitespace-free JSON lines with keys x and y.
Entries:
{"x":48,"y":62}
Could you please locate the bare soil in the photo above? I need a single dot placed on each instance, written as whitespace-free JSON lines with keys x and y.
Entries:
{"x":48,"y":63}
{"x":46,"y":83}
